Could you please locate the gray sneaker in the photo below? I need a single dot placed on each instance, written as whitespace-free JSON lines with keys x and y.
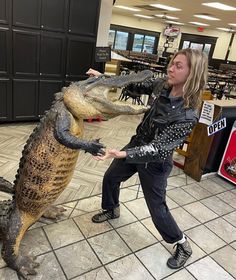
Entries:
{"x":105,"y":215}
{"x":180,"y":256}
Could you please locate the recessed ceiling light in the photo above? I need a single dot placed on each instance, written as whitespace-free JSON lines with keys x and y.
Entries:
{"x":206,"y":17}
{"x":199,"y":23}
{"x":143,"y":16}
{"x":174,"y":22}
{"x":219,"y":6}
{"x":165,"y":16}
{"x":232,"y":24}
{"x":226,"y":29}
{"x":164,"y":7}
{"x":127,"y":8}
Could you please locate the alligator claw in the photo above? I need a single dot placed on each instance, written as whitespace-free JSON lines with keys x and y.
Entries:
{"x":24,"y":272}
{"x":102,"y":152}
{"x":27,"y":267}
{"x":54,"y":212}
{"x":94,"y":147}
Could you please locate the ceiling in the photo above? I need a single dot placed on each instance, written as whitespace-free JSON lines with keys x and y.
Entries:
{"x":186,"y":15}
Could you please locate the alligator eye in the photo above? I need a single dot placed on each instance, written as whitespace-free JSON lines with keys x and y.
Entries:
{"x":85,"y":94}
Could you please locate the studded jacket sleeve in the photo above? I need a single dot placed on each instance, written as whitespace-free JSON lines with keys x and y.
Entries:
{"x":163,"y":144}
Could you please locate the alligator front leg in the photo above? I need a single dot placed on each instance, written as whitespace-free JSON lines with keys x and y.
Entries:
{"x":63,"y":136}
{"x":19,"y":222}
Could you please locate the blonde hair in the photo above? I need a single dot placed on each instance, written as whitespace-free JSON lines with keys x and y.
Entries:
{"x":197,"y":79}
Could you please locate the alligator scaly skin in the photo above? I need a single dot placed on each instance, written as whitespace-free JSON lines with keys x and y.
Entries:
{"x":46,"y":168}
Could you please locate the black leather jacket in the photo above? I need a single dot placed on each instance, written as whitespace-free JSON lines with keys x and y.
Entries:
{"x":164,"y":127}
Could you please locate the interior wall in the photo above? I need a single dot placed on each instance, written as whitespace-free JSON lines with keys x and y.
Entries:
{"x":104,"y":23}
{"x":221,"y":44}
{"x":232,"y":54}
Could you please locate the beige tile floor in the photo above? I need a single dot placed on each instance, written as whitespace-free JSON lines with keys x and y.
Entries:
{"x":128,"y":247}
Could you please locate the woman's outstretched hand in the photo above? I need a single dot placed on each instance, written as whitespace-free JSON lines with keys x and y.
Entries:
{"x":112,"y":153}
{"x":93,"y":73}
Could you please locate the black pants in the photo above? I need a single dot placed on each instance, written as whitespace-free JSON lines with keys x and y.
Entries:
{"x":153,"y":178}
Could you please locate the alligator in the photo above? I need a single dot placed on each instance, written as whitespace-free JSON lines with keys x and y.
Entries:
{"x":49,"y":158}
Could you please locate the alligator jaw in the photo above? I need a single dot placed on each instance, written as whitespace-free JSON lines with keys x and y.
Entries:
{"x":88,"y":98}
{"x":119,"y":81}
{"x":109,"y":109}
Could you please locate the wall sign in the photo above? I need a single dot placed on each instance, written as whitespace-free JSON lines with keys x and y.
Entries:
{"x":217,"y":126}
{"x":207,"y":113}
{"x":103,"y":54}
{"x":172,"y":31}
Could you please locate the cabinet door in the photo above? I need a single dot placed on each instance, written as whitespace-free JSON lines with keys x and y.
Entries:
{"x":4,"y":11}
{"x":58,"y":8}
{"x":52,"y":55}
{"x":80,"y":57}
{"x":26,"y":13}
{"x":25,"y":53}
{"x":25,"y":99}
{"x":87,"y":21}
{"x":38,"y":54}
{"x":47,"y":90}
{"x":4,"y":51}
{"x":5,"y":100}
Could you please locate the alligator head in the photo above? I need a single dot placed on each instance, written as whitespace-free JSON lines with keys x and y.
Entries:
{"x":89,"y":98}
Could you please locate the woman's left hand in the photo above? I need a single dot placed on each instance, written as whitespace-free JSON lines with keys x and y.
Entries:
{"x":112,"y":153}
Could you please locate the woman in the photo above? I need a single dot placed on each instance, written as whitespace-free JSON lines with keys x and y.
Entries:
{"x":164,"y":127}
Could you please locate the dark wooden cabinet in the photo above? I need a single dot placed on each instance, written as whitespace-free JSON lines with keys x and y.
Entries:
{"x":51,"y":8}
{"x":25,"y":53}
{"x":25,"y":99}
{"x":47,"y":90}
{"x":4,"y":51}
{"x":86,"y":23}
{"x":5,"y":100}
{"x":4,"y":11}
{"x":52,"y":55}
{"x":77,"y":65}
{"x":44,"y":45}
{"x":26,"y":13}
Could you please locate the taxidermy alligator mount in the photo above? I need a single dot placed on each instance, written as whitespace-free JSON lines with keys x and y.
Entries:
{"x":49,"y":158}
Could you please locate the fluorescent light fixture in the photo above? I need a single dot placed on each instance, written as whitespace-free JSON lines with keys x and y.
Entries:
{"x":232,"y":24}
{"x":199,"y":23}
{"x":219,"y":6}
{"x":164,"y":7}
{"x":166,"y":17}
{"x":127,"y":8}
{"x":206,"y":17}
{"x":143,"y":16}
{"x":174,"y":22}
{"x":226,"y":29}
